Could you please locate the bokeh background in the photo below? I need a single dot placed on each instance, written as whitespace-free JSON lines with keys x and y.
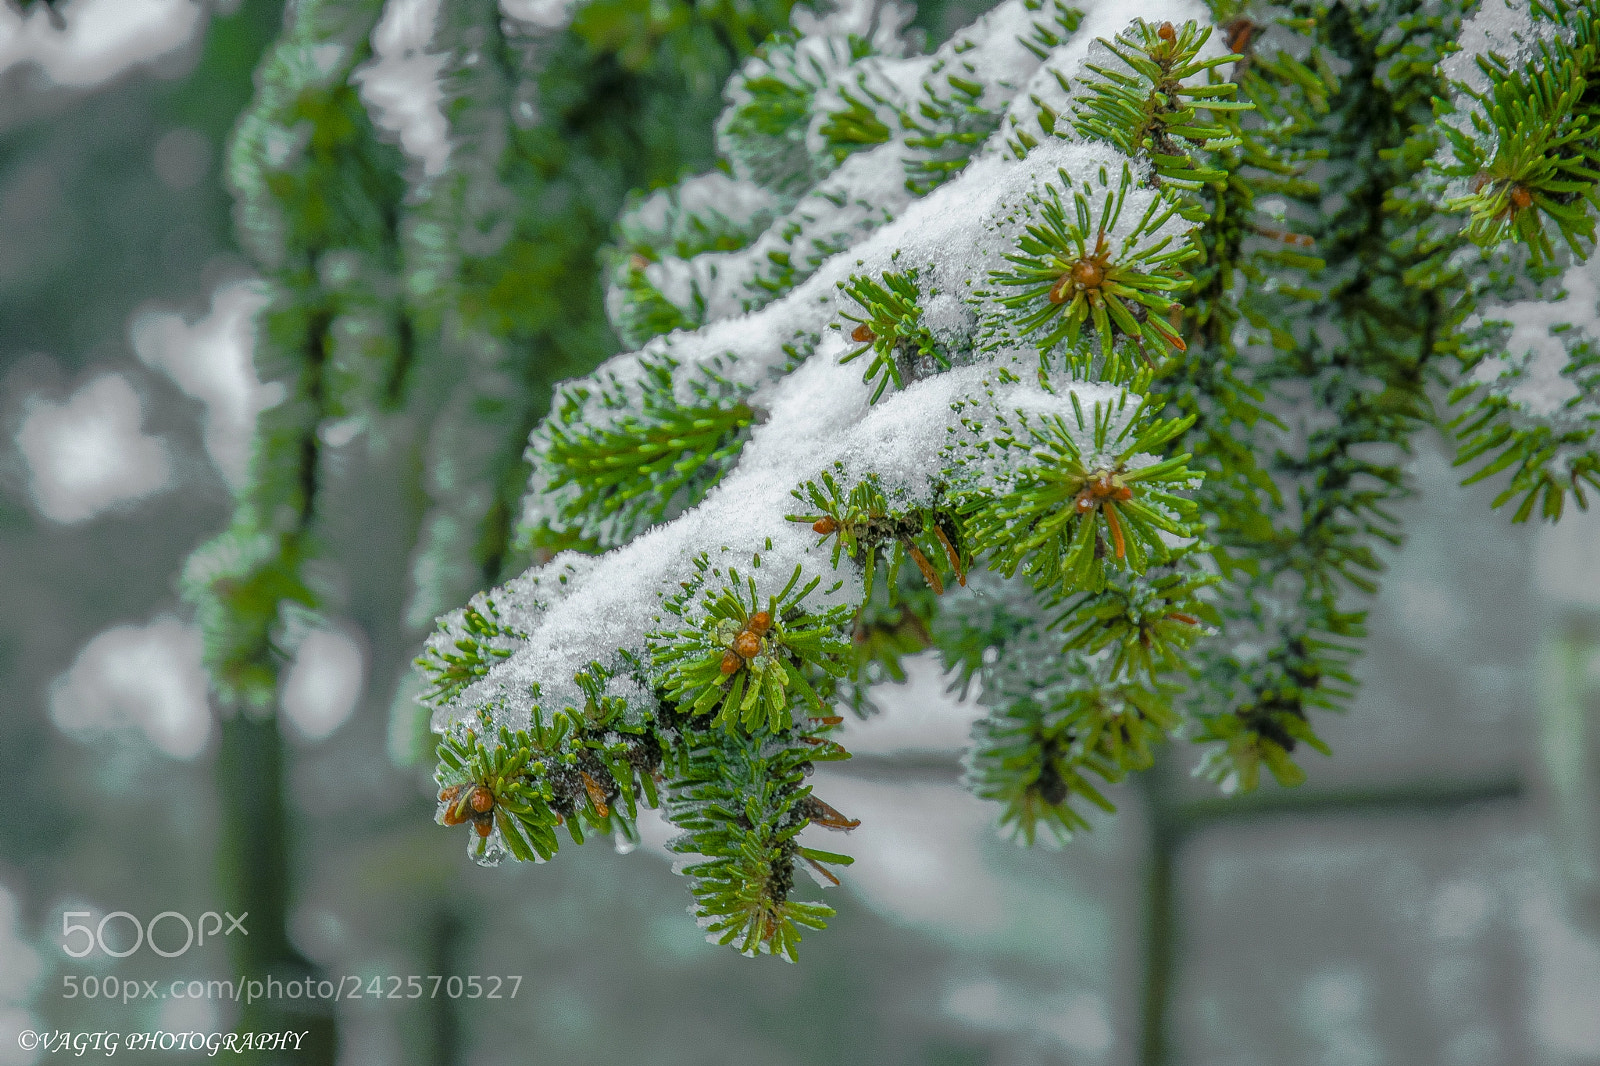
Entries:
{"x":1431,"y":895}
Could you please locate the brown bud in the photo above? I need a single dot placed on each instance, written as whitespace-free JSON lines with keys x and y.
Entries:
{"x":1124,"y":492}
{"x":747,"y":644}
{"x":456,"y":813}
{"x":1087,"y":274}
{"x":1521,"y":196}
{"x":482,"y":799}
{"x":1060,"y":290}
{"x":448,"y":794}
{"x":1166,"y":32}
{"x":824,"y":526}
{"x":759,"y":623}
{"x":730,"y":662}
{"x":1084,"y":503}
{"x":484,"y":827}
{"x":863,"y":334}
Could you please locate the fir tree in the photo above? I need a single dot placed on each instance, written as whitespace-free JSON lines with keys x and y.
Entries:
{"x":1085,"y":351}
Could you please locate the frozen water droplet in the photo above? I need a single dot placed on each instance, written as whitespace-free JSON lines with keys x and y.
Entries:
{"x":486,"y":851}
{"x":620,"y":841}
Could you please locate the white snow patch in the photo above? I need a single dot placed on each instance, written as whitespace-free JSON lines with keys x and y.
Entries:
{"x":400,"y":85}
{"x":149,"y":677}
{"x":101,"y":38}
{"x":1500,"y":26}
{"x":1530,"y":372}
{"x":324,"y":682}
{"x":211,"y":360}
{"x":90,"y":453}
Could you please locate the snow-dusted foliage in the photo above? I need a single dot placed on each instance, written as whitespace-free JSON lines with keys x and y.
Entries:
{"x":1074,"y":350}
{"x":1519,"y":154}
{"x":423,"y":188}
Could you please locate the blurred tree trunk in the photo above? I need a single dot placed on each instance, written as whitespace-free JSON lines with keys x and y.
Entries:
{"x":254,"y":866}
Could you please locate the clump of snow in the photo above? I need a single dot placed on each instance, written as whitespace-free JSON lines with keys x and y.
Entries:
{"x":1501,"y":27}
{"x":90,"y":453}
{"x":1537,"y":347}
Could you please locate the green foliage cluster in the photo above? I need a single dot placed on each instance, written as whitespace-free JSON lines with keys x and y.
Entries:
{"x":430,"y":313}
{"x":733,"y":783}
{"x":1069,"y":271}
{"x":745,"y":658}
{"x":1525,"y":147}
{"x":1082,"y":504}
{"x":865,"y":526}
{"x":1138,"y":418}
{"x":625,"y":476}
{"x":892,"y":331}
{"x":319,"y":199}
{"x":1065,"y":517}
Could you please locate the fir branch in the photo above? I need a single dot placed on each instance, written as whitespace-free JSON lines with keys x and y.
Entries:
{"x":1106,"y":258}
{"x":751,"y":661}
{"x":319,"y":199}
{"x":742,"y":802}
{"x":1158,"y":354}
{"x":1094,"y":498}
{"x":615,"y":479}
{"x":890,"y":327}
